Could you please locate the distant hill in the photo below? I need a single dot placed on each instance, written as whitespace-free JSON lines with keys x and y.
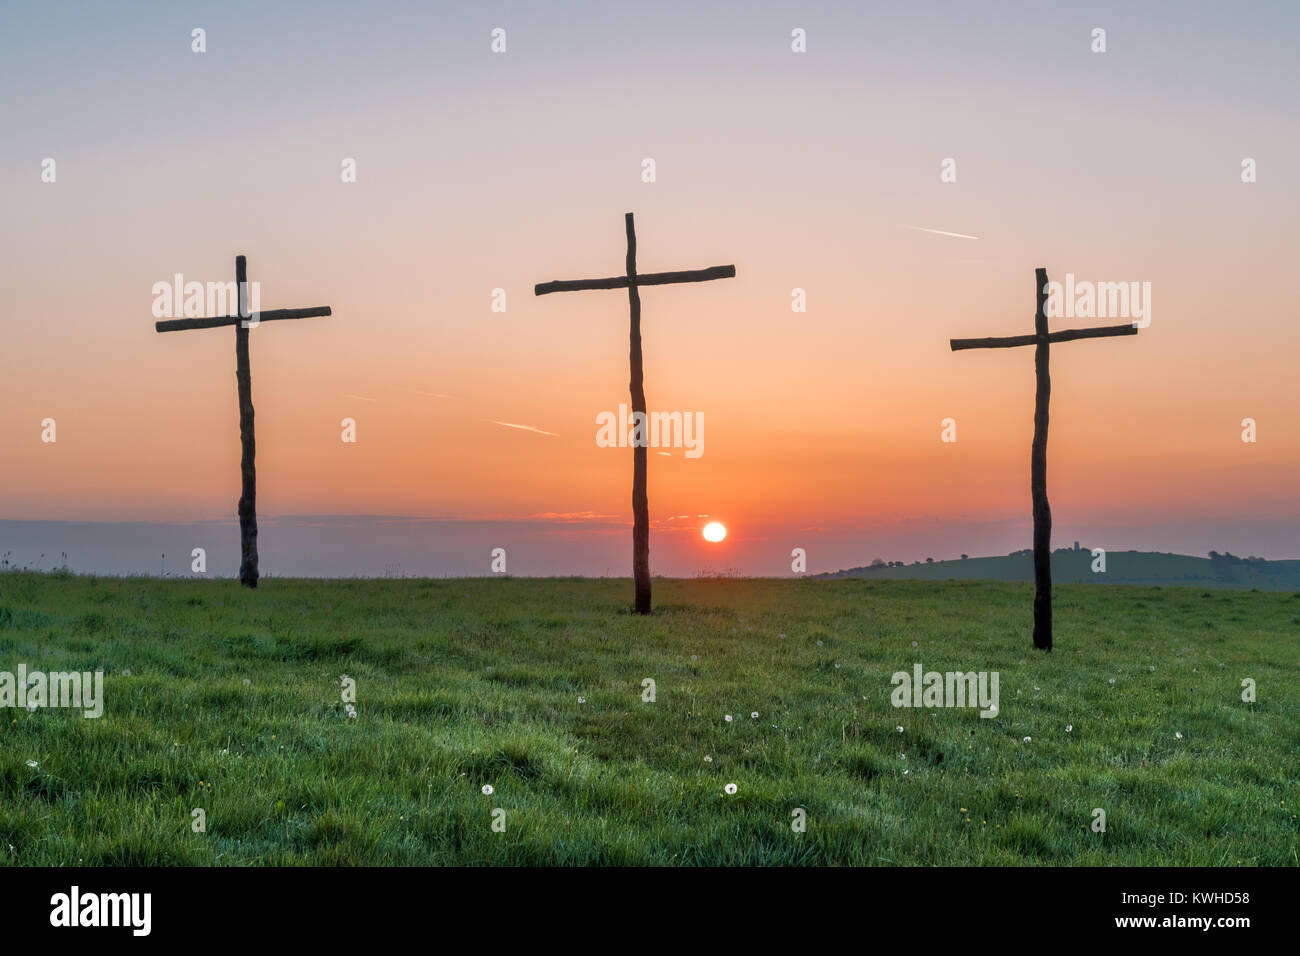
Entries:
{"x":1122,"y":567}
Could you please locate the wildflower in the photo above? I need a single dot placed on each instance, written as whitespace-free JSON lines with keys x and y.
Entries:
{"x":727,"y":718}
{"x":1027,"y":739}
{"x":1178,"y":736}
{"x":581,"y":699}
{"x":487,"y":790}
{"x":1069,"y":728}
{"x":126,"y":672}
{"x":247,"y":682}
{"x":754,"y":715}
{"x":708,"y":759}
{"x":1112,"y":680}
{"x":730,"y":788}
{"x":900,"y":728}
{"x":32,"y":764}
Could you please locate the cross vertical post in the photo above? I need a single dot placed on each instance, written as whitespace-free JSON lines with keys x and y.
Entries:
{"x":247,"y":441}
{"x":1038,"y":475}
{"x":640,"y":454}
{"x":1042,"y":512}
{"x":633,"y":281}
{"x":248,"y":570}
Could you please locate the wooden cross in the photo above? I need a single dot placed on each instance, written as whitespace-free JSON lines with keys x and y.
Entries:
{"x":632,"y":281}
{"x":1041,"y":340}
{"x":243,"y":376}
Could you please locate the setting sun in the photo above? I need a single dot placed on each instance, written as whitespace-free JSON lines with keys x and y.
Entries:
{"x":715,"y":531}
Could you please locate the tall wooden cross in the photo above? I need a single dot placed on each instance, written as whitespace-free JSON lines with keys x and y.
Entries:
{"x":1041,"y":340}
{"x":632,"y":282}
{"x":243,"y":377}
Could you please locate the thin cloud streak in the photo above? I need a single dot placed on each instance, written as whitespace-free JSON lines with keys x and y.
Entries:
{"x":416,"y":391}
{"x":940,"y":232}
{"x":527,"y":428}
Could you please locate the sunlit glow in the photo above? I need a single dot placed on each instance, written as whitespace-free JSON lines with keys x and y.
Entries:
{"x":714,"y":531}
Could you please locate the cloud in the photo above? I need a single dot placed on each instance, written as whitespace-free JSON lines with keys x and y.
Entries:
{"x":940,"y":232}
{"x":527,"y":428}
{"x":416,"y":391}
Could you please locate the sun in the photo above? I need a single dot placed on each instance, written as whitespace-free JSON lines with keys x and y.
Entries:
{"x":715,"y":531}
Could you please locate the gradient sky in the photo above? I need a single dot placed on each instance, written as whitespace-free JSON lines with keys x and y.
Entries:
{"x":479,"y":170}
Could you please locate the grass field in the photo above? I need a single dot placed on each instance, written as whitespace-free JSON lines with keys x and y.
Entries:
{"x":232,"y":704}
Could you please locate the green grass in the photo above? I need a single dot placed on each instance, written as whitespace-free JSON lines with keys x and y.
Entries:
{"x":462,"y":683}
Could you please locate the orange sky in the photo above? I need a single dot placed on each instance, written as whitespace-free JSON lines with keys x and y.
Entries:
{"x":810,"y":172}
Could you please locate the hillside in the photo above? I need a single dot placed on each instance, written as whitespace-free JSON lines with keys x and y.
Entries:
{"x":1122,"y":567}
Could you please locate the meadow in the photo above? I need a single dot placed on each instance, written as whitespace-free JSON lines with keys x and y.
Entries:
{"x":229,"y":700}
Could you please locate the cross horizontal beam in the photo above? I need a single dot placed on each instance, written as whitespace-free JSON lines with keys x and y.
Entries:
{"x":216,"y":322}
{"x":1065,"y":335}
{"x":650,"y":278}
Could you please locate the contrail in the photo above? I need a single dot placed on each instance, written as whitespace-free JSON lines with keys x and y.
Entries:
{"x":527,"y":428}
{"x":940,"y":232}
{"x":414,"y":391}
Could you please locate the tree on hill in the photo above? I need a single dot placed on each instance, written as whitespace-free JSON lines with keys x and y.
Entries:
{"x":1221,"y":560}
